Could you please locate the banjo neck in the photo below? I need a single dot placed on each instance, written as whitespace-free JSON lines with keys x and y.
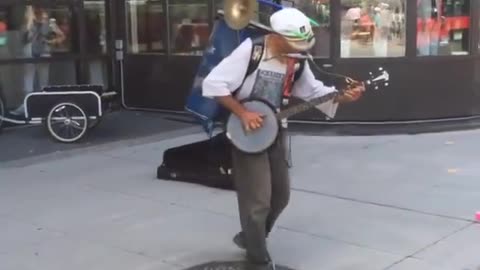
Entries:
{"x":260,"y":140}
{"x":374,"y":81}
{"x":304,"y":106}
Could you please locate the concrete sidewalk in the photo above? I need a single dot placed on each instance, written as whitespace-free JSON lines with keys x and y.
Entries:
{"x":382,"y":202}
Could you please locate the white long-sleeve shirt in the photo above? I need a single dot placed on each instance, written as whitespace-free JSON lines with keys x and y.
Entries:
{"x":228,"y":76}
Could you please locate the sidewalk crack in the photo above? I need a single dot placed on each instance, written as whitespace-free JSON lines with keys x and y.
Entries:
{"x":413,"y":255}
{"x":385,"y":205}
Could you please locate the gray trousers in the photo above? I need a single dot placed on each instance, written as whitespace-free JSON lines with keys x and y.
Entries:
{"x":39,"y":69}
{"x":263,"y":190}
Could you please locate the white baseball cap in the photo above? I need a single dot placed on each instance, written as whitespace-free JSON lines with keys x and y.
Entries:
{"x":295,"y":27}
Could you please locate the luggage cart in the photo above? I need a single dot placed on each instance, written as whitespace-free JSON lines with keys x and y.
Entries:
{"x":67,"y":111}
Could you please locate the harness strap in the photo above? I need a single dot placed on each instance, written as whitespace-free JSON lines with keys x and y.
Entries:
{"x":289,"y":77}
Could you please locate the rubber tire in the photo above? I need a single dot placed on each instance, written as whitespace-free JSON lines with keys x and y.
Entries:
{"x":49,"y":123}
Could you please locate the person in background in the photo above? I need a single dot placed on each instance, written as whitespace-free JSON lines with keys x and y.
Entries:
{"x":40,"y":33}
{"x":3,"y":31}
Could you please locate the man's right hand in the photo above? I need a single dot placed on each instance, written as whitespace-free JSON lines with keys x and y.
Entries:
{"x":251,"y":120}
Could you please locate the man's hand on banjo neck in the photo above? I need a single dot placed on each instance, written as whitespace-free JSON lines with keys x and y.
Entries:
{"x":350,"y":95}
{"x":353,"y":92}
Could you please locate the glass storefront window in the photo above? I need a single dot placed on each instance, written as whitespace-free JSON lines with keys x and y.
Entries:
{"x":18,"y":80}
{"x":30,"y":31}
{"x":318,"y":10}
{"x":146,"y":26}
{"x":98,"y":73}
{"x":189,"y":28}
{"x":373,"y":29}
{"x":443,"y":27}
{"x":95,"y":22}
{"x":218,"y":5}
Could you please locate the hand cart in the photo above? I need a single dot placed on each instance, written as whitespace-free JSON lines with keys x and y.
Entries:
{"x":67,"y":111}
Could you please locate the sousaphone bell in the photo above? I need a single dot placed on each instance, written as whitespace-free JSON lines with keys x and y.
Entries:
{"x":238,"y":13}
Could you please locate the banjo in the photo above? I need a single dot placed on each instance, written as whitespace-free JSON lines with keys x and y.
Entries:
{"x":260,"y":139}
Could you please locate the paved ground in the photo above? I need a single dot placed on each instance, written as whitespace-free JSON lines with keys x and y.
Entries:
{"x":396,"y":202}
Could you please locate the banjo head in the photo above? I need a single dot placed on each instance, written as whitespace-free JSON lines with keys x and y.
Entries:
{"x":257,"y":140}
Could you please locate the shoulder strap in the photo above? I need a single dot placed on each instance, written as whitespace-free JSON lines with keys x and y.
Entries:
{"x":298,"y":73}
{"x":288,"y":89}
{"x":256,"y":54}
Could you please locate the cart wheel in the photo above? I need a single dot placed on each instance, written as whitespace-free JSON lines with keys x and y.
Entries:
{"x":67,"y":122}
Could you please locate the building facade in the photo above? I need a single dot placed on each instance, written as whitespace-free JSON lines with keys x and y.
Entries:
{"x":149,"y":51}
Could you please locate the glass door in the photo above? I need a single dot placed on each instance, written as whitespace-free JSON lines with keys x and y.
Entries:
{"x":159,"y":44}
{"x":96,"y":43}
{"x":38,"y":47}
{"x":50,"y":43}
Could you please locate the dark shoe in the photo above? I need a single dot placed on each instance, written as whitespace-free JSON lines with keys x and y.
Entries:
{"x":239,"y":240}
{"x":18,"y":111}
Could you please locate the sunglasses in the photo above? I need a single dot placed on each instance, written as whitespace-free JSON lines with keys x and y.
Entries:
{"x":299,"y":36}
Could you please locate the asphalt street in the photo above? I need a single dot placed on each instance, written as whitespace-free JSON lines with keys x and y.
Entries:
{"x":119,"y":126}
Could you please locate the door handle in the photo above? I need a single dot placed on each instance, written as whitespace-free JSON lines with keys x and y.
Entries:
{"x":119,"y":55}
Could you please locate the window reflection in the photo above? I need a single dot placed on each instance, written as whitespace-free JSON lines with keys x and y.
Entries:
{"x":264,"y":13}
{"x":97,"y":73}
{"x":318,"y":10}
{"x":29,"y":31}
{"x":3,"y":29}
{"x":373,"y":28}
{"x":18,"y":80}
{"x":218,"y":5}
{"x":190,"y":30}
{"x":42,"y":32}
{"x":443,"y":27}
{"x":95,"y":27}
{"x":146,"y":26}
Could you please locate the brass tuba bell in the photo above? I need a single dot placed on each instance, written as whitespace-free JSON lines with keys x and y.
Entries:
{"x":238,"y":13}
